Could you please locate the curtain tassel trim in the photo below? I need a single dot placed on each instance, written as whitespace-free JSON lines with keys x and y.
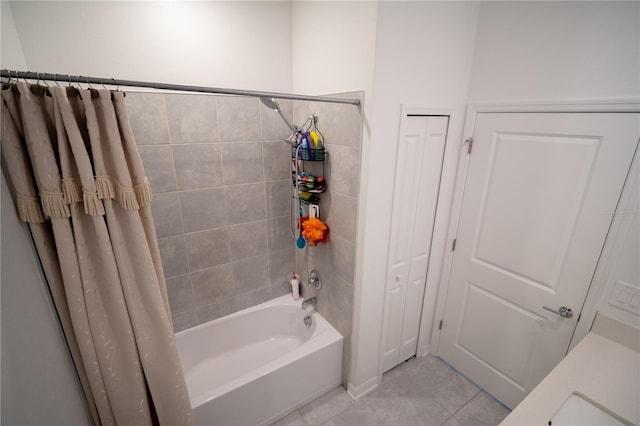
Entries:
{"x":92,"y":204}
{"x":71,"y":191}
{"x":52,"y":204}
{"x":29,"y":209}
{"x":129,"y":198}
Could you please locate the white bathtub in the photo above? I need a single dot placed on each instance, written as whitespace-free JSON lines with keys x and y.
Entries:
{"x":257,"y":365}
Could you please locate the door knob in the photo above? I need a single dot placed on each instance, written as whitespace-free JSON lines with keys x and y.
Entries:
{"x":564,"y":312}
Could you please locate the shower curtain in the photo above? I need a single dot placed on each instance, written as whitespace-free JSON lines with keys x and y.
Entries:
{"x":80,"y":185}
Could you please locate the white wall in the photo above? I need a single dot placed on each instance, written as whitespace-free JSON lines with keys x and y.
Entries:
{"x":240,"y":45}
{"x":618,"y":262}
{"x":11,"y":55}
{"x":333,"y":46}
{"x":39,"y":382}
{"x":423,"y":57}
{"x":625,"y":268}
{"x":557,"y":50}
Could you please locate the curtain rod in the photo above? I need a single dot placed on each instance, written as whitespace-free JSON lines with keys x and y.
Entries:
{"x":77,"y":79}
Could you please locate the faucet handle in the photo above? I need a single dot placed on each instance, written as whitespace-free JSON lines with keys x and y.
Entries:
{"x":314,"y":279}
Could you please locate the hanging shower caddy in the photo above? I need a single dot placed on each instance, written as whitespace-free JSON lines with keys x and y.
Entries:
{"x":306,"y":176}
{"x":307,"y":179}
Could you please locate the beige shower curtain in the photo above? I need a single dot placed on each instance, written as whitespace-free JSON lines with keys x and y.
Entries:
{"x":79,"y":183}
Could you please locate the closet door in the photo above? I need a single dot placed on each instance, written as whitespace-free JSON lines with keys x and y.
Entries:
{"x":417,"y":180}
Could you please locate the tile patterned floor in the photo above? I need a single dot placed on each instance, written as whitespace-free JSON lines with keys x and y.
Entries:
{"x":424,"y":391}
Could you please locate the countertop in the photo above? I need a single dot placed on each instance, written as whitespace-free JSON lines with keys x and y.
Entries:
{"x":604,"y":367}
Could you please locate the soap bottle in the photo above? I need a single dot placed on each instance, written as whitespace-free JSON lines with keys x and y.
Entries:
{"x":295,"y":286}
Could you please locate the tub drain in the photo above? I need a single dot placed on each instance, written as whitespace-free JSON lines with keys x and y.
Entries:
{"x":308,"y":321}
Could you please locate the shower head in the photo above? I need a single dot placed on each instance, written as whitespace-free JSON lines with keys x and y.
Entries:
{"x":273,"y":104}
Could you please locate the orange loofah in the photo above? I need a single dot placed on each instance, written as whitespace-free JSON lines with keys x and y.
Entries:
{"x":314,"y":231}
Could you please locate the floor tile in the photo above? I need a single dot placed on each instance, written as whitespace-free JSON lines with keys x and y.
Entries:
{"x":293,"y":419}
{"x":421,"y":391}
{"x":451,"y":421}
{"x":398,"y":370}
{"x":433,"y":379}
{"x":358,"y":414}
{"x":392,"y":404}
{"x":482,"y":410}
{"x":328,"y":405}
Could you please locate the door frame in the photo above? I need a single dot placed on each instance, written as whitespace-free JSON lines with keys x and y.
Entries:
{"x":439,"y":237}
{"x":588,"y":310}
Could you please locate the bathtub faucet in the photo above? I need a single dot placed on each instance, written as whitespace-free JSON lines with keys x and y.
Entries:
{"x":310,"y":301}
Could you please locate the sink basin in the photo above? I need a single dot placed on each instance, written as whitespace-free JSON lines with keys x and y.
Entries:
{"x":580,"y":410}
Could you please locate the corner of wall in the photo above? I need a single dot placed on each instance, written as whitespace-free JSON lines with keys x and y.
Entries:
{"x":12,"y":56}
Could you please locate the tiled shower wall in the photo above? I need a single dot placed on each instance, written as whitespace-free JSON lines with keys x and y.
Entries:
{"x":219,"y":172}
{"x":220,"y":176}
{"x":341,"y":126}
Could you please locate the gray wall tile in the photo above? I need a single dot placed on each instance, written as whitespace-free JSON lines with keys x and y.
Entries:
{"x":279,"y":233}
{"x":180,"y":294}
{"x":281,"y":264}
{"x":242,"y":162}
{"x":158,"y":166}
{"x":340,"y":124}
{"x":239,"y":118}
{"x":235,"y":247}
{"x":251,"y":274}
{"x":192,"y":118}
{"x":203,"y":209}
{"x":166,"y":215}
{"x":342,"y":258}
{"x":336,"y":299}
{"x":215,"y":310}
{"x":174,"y":256}
{"x":213,"y":284}
{"x":279,"y":200}
{"x":280,"y":289}
{"x":148,"y":117}
{"x":273,"y":126}
{"x":252,"y":298}
{"x":248,"y":240}
{"x":343,"y":174}
{"x":245,"y":203}
{"x":277,"y":160}
{"x":342,"y":215}
{"x":207,"y":249}
{"x":198,"y":166}
{"x":185,"y":320}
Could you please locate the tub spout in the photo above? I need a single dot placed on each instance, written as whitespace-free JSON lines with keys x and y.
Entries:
{"x":310,"y":301}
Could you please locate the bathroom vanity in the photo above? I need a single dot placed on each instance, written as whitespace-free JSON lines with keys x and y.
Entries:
{"x":598,"y":383}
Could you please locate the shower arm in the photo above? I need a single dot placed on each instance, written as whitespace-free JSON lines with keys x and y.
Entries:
{"x":293,"y":127}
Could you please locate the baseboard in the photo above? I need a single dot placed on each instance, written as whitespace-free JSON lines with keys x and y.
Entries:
{"x":356,"y":392}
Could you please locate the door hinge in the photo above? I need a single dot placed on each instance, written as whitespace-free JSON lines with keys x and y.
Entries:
{"x":470,"y":147}
{"x":453,"y":246}
{"x":440,"y":326}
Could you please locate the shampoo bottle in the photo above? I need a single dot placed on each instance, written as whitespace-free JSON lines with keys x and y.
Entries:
{"x":295,"y":286}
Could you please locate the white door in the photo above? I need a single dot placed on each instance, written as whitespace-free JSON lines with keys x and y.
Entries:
{"x":417,"y":180}
{"x":534,"y":217}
